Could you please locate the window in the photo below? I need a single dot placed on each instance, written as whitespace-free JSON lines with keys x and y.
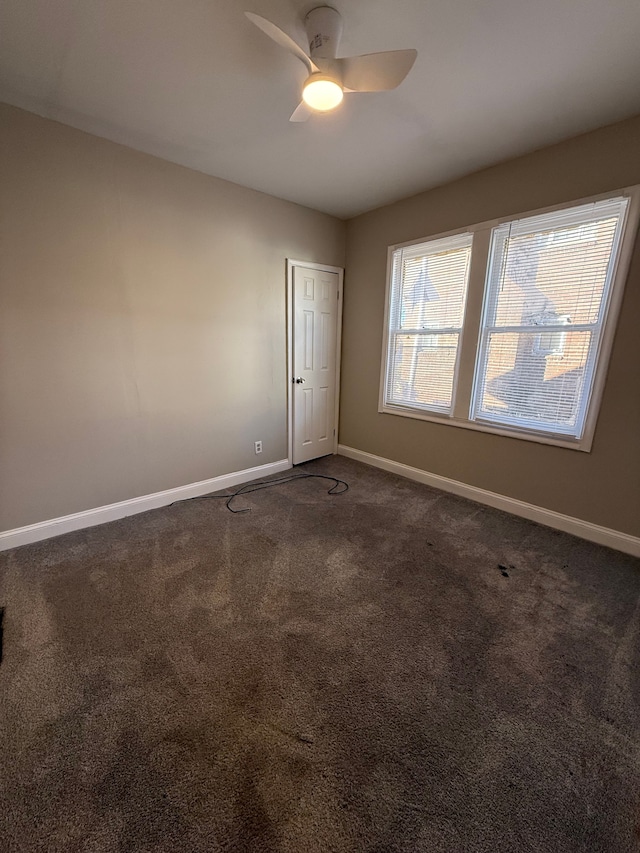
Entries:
{"x":527,"y":356}
{"x":427,"y":309}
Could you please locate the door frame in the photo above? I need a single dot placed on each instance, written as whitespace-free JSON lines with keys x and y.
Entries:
{"x":291,"y":263}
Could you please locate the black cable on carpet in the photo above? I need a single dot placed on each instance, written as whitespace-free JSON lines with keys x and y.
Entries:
{"x":265,"y":484}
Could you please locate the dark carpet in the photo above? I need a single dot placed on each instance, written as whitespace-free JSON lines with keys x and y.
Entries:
{"x":347,"y":673}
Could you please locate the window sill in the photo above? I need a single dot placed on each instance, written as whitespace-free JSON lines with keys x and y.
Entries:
{"x":583,"y":444}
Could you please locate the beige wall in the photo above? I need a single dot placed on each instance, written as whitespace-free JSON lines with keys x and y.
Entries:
{"x":602,"y":487}
{"x":142,"y":326}
{"x":142,"y":320}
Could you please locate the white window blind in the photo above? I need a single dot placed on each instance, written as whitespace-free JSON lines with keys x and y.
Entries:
{"x":426,"y":313}
{"x":546,"y":297}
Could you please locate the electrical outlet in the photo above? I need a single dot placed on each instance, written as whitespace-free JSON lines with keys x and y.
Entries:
{"x":258,"y":446}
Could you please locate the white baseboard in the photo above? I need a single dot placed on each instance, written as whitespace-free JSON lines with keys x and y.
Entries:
{"x":584,"y":529}
{"x":91,"y":517}
{"x":112,"y":512}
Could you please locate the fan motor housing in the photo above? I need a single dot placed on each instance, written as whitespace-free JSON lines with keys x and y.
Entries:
{"x":324,"y":28}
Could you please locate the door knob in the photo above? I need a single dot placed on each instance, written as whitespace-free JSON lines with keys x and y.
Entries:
{"x":298,"y":380}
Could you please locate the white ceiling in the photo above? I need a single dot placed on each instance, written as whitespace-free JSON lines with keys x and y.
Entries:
{"x":195,"y":82}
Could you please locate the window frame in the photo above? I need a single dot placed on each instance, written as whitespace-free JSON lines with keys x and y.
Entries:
{"x":470,"y":335}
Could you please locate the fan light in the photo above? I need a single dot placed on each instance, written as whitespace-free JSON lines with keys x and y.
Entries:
{"x":322,"y":93}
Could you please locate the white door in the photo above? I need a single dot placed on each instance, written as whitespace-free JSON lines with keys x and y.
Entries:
{"x":314,"y":381}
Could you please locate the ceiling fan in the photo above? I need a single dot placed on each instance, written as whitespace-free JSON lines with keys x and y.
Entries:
{"x":329,"y":76}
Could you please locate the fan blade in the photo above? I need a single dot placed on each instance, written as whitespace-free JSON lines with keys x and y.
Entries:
{"x":282,"y":39}
{"x":301,"y":113}
{"x":376,"y":72}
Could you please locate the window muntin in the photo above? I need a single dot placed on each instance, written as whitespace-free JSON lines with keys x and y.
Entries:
{"x":568,"y":330}
{"x":428,"y":291}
